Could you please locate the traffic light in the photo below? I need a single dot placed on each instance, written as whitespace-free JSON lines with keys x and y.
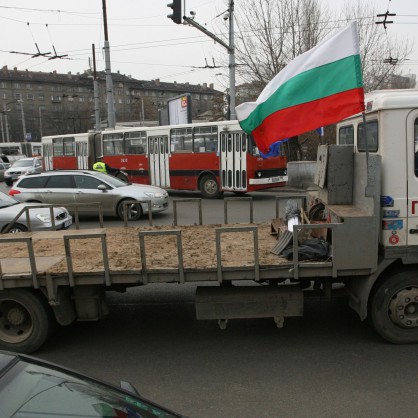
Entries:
{"x":177,"y":15}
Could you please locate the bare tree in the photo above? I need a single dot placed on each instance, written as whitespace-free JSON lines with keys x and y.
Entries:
{"x":380,"y":51}
{"x":270,"y":34}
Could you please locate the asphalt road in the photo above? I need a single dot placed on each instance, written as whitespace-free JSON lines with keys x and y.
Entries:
{"x":325,"y":364}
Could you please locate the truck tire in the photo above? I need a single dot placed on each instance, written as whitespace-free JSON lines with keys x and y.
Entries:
{"x":394,"y":308}
{"x":209,"y":187}
{"x":134,"y":211}
{"x":25,"y":320}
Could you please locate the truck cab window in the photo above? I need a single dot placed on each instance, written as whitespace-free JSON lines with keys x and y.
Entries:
{"x":346,"y":135}
{"x":416,"y":146}
{"x":372,"y":137}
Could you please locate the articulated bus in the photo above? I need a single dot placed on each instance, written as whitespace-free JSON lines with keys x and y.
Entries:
{"x":211,"y":157}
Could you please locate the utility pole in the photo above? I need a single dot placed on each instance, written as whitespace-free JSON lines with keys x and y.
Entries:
{"x":40,"y":121}
{"x":23,"y":120}
{"x":231,"y":52}
{"x":2,"y":128}
{"x":97,"y":126}
{"x":6,"y":122}
{"x":109,"y":84}
{"x":176,"y":5}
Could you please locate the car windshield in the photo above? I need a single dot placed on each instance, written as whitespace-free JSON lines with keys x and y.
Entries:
{"x":29,"y":390}
{"x":6,"y":201}
{"x":113,"y":181}
{"x":23,"y":163}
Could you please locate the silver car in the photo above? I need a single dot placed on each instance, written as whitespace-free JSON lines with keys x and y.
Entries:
{"x":85,"y":186}
{"x":22,"y":167}
{"x":3,"y":168}
{"x":40,"y":218}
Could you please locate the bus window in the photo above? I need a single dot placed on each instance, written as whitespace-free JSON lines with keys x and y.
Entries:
{"x":244,"y":142}
{"x":36,"y":150}
{"x":113,"y":144}
{"x":346,"y":135}
{"x":372,"y":137}
{"x":135,"y":142}
{"x":57,"y":147}
{"x":181,"y":139}
{"x":205,"y":139}
{"x":252,"y":147}
{"x":69,"y":147}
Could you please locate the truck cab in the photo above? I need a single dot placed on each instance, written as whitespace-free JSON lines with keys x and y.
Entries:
{"x":392,"y":132}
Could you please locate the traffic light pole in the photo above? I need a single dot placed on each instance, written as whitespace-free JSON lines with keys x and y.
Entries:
{"x":230,"y":48}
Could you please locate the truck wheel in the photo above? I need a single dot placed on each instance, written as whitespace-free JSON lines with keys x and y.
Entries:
{"x":134,"y":211}
{"x":394,"y":308}
{"x":25,"y":320}
{"x":209,"y":187}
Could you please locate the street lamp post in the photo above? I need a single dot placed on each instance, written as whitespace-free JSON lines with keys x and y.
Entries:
{"x":5,"y":110}
{"x":2,"y":128}
{"x":40,"y":121}
{"x":6,"y":122}
{"x":23,"y":120}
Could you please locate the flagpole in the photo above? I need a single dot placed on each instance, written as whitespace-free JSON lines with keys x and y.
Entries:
{"x":369,"y":190}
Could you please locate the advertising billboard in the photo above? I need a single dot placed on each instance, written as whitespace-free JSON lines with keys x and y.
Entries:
{"x":180,"y":109}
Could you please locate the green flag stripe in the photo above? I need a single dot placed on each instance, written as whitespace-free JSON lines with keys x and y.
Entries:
{"x":308,"y":86}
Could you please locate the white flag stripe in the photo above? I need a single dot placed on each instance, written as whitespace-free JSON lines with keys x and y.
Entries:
{"x":340,"y":45}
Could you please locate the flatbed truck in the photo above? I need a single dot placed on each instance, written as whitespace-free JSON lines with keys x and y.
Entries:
{"x":365,"y":206}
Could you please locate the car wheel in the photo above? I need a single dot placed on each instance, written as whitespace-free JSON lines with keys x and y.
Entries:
{"x":25,"y":320}
{"x":15,"y":228}
{"x":209,"y":187}
{"x":8,"y":181}
{"x":134,"y":210}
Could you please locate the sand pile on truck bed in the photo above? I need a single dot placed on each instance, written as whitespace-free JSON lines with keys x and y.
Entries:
{"x":123,"y":247}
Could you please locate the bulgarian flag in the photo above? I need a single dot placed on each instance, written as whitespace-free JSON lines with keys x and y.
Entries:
{"x":322,"y":86}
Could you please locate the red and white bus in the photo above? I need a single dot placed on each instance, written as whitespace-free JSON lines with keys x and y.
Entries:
{"x":211,"y":157}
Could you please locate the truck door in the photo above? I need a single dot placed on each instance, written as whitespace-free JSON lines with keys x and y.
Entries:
{"x":234,"y":160}
{"x":158,"y":161}
{"x":412,"y":163}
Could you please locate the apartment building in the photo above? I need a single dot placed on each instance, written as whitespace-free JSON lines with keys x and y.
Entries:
{"x":38,"y":103}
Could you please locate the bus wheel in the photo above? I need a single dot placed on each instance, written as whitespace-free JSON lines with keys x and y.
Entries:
{"x":394,"y":308}
{"x":134,"y":211}
{"x":209,"y":187}
{"x":25,"y":320}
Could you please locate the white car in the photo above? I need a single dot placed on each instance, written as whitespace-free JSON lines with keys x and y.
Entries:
{"x":40,"y":218}
{"x":22,"y":167}
{"x":66,"y":187}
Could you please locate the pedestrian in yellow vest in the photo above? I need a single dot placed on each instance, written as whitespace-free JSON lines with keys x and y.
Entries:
{"x":101,"y":166}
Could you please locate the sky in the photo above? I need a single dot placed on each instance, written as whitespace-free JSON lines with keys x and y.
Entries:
{"x":144,"y":43}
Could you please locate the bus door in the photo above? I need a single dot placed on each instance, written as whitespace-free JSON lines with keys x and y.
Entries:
{"x":233,"y":161}
{"x":82,"y":155}
{"x":47,"y":156}
{"x":158,"y":161}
